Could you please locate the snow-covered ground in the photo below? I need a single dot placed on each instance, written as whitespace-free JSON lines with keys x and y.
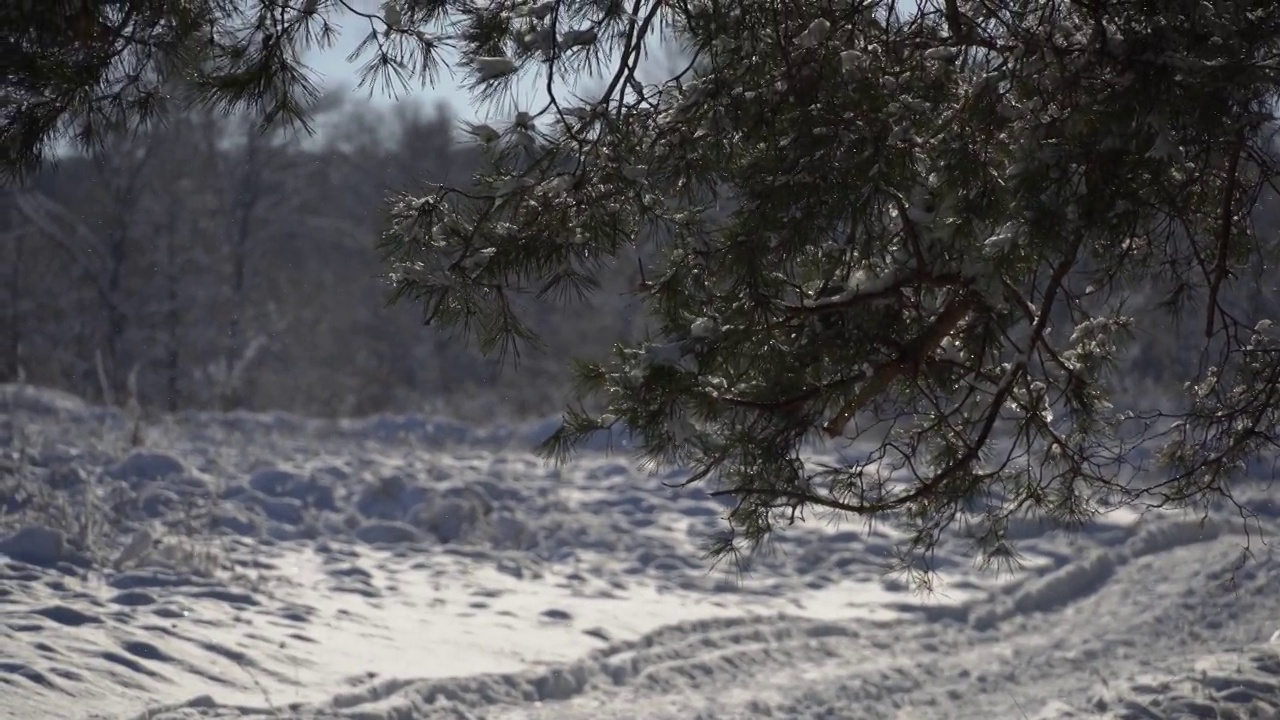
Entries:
{"x":238,"y":566}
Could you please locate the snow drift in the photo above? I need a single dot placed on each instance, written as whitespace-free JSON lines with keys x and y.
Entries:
{"x":246,"y":565}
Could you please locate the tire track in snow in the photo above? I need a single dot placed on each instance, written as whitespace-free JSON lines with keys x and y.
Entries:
{"x":1060,"y":629}
{"x":678,"y":661}
{"x":1161,"y":609}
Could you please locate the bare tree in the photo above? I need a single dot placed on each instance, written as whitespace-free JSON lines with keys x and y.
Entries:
{"x":13,"y":238}
{"x":258,"y":176}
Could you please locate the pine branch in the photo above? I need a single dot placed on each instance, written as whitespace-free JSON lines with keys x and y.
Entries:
{"x":907,"y":364}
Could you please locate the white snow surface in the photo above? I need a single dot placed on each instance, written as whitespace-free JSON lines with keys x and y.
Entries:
{"x":407,"y":567}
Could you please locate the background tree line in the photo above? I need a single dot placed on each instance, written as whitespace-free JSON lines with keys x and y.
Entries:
{"x":202,"y":264}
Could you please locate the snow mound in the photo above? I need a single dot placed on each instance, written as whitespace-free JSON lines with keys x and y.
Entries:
{"x":35,"y":545}
{"x":1244,"y":685}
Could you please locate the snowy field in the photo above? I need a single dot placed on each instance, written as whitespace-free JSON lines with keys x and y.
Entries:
{"x":267,"y":566}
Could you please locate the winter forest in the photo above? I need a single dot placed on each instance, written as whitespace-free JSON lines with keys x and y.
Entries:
{"x":874,"y":360}
{"x":205,"y":265}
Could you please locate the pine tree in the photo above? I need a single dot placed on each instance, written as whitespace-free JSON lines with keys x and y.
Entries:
{"x":83,"y":69}
{"x":894,"y":252}
{"x":895,"y":248}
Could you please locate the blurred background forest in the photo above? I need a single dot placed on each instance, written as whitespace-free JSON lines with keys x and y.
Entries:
{"x":205,"y":265}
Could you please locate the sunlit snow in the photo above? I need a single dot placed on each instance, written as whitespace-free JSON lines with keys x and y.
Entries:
{"x":412,"y":567}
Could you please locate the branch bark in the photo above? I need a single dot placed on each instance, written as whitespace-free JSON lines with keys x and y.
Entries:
{"x":1224,"y":237}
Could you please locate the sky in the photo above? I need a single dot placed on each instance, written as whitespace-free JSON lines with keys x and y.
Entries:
{"x":334,"y":72}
